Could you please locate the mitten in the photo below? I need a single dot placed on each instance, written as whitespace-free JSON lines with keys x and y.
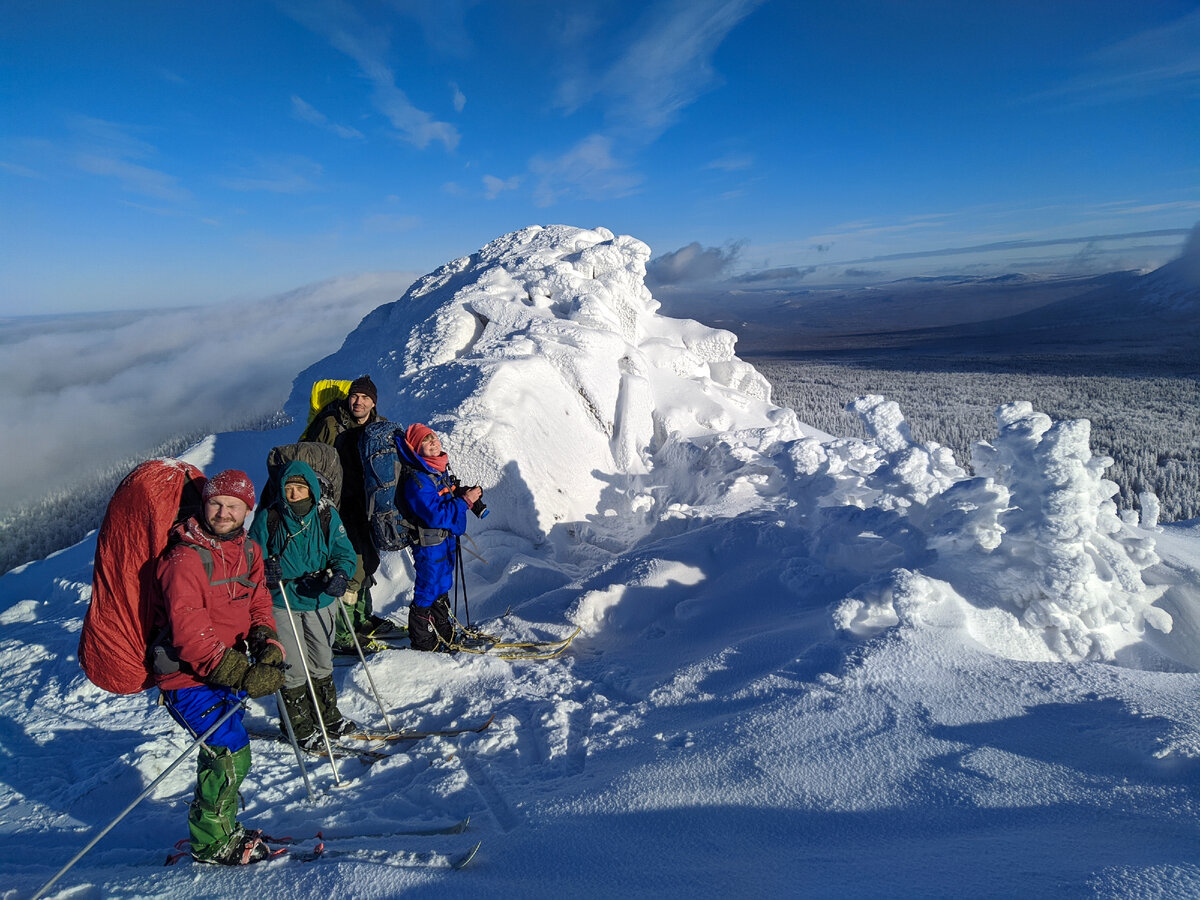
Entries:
{"x":337,"y":585}
{"x":264,"y":645}
{"x":262,"y":679}
{"x":272,"y":571}
{"x":230,"y":670}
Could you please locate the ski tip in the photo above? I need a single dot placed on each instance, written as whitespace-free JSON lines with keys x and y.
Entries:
{"x":462,"y":861}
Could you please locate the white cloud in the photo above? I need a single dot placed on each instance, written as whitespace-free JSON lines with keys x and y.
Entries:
{"x":493,"y":186}
{"x":643,"y":90}
{"x":122,"y":383}
{"x":367,"y":45}
{"x":691,"y":264}
{"x":1165,"y":59}
{"x":588,"y":169}
{"x":111,"y":151}
{"x":390,"y":223}
{"x":732,"y":162}
{"x":305,"y":112}
{"x":459,"y":98}
{"x":283,"y":175}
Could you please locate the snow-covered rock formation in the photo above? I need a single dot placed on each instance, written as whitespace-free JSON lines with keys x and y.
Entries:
{"x":593,"y":422}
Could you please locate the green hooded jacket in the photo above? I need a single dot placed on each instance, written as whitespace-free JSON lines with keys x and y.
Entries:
{"x":300,"y":544}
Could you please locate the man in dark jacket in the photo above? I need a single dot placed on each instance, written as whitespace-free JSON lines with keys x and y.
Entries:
{"x":222,"y":647}
{"x":340,"y":423}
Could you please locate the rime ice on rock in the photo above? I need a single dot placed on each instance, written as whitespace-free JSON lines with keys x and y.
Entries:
{"x":545,"y":364}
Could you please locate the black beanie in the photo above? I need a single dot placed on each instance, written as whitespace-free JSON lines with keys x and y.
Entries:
{"x":364,"y":385}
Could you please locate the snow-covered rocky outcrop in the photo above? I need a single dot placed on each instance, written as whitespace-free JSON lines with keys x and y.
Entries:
{"x":594,"y":422}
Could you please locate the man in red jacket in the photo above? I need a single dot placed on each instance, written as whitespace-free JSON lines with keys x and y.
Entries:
{"x":222,"y":647}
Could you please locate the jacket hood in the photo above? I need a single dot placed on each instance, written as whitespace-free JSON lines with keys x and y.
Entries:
{"x":305,"y":471}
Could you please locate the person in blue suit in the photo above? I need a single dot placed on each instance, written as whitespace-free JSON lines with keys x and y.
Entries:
{"x":432,"y":500}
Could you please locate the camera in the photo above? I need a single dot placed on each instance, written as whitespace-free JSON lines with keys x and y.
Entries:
{"x":478,"y":507}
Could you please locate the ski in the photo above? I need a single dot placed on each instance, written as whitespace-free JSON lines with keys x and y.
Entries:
{"x":401,"y":858}
{"x":482,"y":645}
{"x":458,"y":827}
{"x":417,"y":735}
{"x":365,"y":755}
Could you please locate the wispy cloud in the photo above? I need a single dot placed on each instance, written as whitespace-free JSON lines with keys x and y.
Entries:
{"x":1159,"y":60}
{"x":283,"y":175}
{"x":643,"y":89}
{"x":367,"y":45}
{"x":390,"y":223}
{"x":111,"y":150}
{"x":493,"y":186}
{"x":306,"y":112}
{"x":731,"y":163}
{"x":20,"y":171}
{"x":458,"y":98}
{"x":588,"y":169}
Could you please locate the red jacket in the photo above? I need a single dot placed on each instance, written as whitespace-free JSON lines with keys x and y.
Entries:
{"x":209,"y":615}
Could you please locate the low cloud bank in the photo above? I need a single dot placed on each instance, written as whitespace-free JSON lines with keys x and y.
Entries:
{"x":85,"y":392}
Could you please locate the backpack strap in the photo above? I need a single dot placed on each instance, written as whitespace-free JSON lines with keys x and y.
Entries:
{"x":206,"y":560}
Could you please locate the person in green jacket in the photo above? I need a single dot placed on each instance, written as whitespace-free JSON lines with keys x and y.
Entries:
{"x":308,"y":555}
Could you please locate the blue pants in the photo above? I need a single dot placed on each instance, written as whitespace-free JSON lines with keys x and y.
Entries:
{"x":197,"y":708}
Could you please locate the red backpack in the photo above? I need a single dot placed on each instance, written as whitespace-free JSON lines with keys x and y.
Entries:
{"x":126,"y":611}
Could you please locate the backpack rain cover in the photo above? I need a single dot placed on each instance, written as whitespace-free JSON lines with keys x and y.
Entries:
{"x":126,"y":609}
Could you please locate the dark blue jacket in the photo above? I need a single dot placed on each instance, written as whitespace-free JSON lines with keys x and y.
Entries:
{"x":426,"y":498}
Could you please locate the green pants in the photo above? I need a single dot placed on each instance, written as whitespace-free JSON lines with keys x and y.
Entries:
{"x":360,"y":614}
{"x":212,"y":817}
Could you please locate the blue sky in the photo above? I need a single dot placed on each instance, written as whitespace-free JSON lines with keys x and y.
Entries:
{"x":168,"y":153}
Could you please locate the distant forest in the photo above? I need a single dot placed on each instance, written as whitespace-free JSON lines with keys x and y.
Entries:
{"x":1147,"y":421}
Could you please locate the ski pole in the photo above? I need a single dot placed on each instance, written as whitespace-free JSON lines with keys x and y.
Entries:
{"x":462,"y":572}
{"x":362,"y":656}
{"x":140,"y":797}
{"x":291,"y":733}
{"x":312,"y":689}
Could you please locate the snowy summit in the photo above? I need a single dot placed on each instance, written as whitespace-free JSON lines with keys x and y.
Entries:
{"x":807,"y":665}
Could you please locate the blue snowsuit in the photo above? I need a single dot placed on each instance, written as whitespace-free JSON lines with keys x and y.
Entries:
{"x":426,"y":497}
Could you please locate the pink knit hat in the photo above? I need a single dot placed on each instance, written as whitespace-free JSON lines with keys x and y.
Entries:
{"x":415,"y":434}
{"x":230,"y":483}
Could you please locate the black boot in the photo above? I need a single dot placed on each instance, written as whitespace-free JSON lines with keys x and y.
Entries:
{"x":335,"y":723}
{"x":430,"y":627}
{"x":299,"y":709}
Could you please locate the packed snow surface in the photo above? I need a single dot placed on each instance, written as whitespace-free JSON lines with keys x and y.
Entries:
{"x":807,"y":666}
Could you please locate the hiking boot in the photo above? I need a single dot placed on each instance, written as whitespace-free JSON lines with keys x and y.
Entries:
{"x":342,"y":727}
{"x":311,"y":742}
{"x":378,"y":626}
{"x":244,"y":847}
{"x":345,"y":648}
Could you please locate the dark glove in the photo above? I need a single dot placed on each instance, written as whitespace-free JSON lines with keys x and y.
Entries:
{"x":262,"y":679}
{"x":337,"y":585}
{"x":230,"y":670}
{"x":272,"y":571}
{"x":264,"y":645}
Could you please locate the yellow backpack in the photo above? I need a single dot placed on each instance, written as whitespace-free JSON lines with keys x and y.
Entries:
{"x":326,"y":391}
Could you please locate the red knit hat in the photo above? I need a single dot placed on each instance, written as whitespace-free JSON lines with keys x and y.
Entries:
{"x":230,"y":483}
{"x":415,"y":434}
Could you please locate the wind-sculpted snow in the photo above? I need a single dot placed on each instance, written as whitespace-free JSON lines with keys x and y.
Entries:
{"x":592,"y":421}
{"x":543,"y":361}
{"x":1035,"y":532}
